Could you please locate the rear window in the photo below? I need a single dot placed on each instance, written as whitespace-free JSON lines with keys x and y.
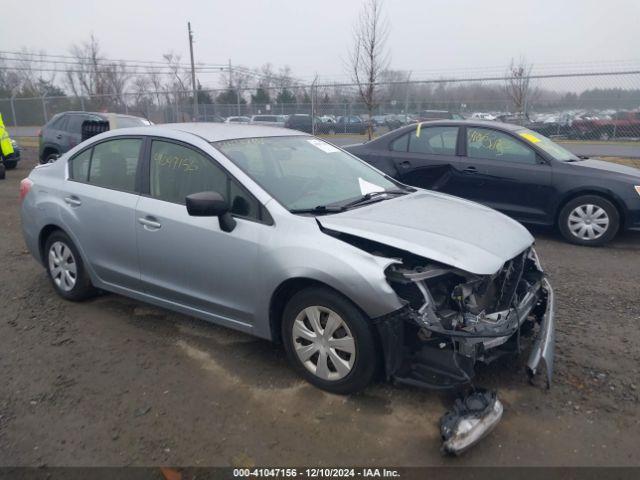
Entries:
{"x":114,"y":164}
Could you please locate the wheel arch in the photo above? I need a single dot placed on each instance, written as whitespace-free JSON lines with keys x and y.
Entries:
{"x":44,"y":234}
{"x":285,"y":291}
{"x":47,"y":150}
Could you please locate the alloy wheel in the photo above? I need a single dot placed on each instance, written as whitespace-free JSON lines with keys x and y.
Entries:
{"x":62,"y":266}
{"x":323,"y":343}
{"x":588,"y":222}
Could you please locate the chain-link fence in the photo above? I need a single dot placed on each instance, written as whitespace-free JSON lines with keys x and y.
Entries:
{"x":585,"y":105}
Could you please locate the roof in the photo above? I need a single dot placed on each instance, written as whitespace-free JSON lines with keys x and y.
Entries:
{"x":456,"y":123}
{"x":214,"y":132}
{"x":100,"y":114}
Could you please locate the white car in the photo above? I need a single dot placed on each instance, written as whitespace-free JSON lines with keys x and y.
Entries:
{"x":237,"y":120}
{"x":273,"y":120}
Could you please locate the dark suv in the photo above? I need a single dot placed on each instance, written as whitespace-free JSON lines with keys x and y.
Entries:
{"x":64,"y":130}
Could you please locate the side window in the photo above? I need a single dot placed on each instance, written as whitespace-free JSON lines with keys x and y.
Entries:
{"x":434,"y":140}
{"x":400,"y":144}
{"x":242,"y":203}
{"x":60,"y":123}
{"x":493,"y":145}
{"x":75,"y":123}
{"x":114,"y":164}
{"x":79,"y":166}
{"x":178,"y":171}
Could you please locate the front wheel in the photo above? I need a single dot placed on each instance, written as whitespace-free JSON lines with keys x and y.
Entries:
{"x":329,"y":341}
{"x":589,"y":220}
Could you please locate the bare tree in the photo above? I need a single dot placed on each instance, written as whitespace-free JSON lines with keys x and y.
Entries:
{"x":369,"y":58}
{"x":518,"y":85}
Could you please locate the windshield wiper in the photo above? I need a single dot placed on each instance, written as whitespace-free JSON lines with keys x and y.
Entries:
{"x":320,"y":209}
{"x":373,"y":195}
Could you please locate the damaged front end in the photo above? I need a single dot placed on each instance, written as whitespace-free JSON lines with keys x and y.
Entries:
{"x":453,"y":319}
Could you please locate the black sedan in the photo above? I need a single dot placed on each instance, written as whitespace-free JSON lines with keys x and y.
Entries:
{"x":515,"y":170}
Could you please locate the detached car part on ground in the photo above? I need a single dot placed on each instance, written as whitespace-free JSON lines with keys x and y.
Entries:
{"x":312,"y":247}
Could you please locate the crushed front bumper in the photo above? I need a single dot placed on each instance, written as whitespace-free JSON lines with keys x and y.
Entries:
{"x":434,"y":359}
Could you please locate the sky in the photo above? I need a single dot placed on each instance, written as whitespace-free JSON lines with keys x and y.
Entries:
{"x":313,"y":36}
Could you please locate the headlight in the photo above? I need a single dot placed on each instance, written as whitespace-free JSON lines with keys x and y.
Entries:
{"x":15,"y":144}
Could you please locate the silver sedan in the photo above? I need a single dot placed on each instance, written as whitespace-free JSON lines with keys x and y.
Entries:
{"x":284,"y":236}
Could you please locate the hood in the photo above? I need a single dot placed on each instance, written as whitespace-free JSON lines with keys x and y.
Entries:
{"x":608,"y":166}
{"x":438,"y":227}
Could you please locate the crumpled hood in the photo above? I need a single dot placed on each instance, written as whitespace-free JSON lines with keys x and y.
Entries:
{"x":439,"y":227}
{"x":608,"y":166}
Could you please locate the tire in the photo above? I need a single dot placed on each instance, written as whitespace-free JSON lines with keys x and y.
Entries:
{"x":357,"y":369}
{"x":592,"y":212}
{"x":10,"y":164}
{"x":59,"y":250}
{"x":49,"y":157}
{"x":2,"y":170}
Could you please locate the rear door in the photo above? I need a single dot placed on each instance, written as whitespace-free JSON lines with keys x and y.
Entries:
{"x":507,"y":174}
{"x":426,"y":158}
{"x":100,"y":199}
{"x":54,"y":135}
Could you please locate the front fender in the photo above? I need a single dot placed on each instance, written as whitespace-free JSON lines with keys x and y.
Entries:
{"x":356,"y":274}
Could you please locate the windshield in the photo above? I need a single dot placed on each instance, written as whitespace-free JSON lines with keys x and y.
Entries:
{"x":551,"y":148}
{"x":303,"y":172}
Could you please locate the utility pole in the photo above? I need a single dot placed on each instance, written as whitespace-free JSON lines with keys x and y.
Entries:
{"x":193,"y":74}
{"x":406,"y":94}
{"x":313,"y":105}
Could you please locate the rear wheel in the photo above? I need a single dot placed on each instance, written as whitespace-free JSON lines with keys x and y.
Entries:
{"x":2,"y":170}
{"x":589,"y":220}
{"x":329,"y":341}
{"x":10,"y":164}
{"x":65,"y":268}
{"x":50,"y":157}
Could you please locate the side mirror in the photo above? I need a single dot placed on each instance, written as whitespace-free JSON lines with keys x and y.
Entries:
{"x":211,"y":204}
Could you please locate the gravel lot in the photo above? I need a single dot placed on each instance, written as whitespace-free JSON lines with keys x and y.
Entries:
{"x":115,"y":382}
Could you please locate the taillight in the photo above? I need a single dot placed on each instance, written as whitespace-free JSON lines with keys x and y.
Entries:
{"x":25,"y":186}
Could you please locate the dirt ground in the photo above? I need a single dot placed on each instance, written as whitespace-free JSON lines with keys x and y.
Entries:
{"x":115,"y":382}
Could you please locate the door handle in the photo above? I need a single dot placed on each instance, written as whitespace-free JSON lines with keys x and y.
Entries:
{"x":470,"y":170}
{"x":405,"y":164}
{"x":73,"y":201}
{"x":149,"y":223}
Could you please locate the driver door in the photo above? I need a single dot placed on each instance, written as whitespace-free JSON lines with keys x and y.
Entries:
{"x":506,"y":174}
{"x":189,"y":261}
